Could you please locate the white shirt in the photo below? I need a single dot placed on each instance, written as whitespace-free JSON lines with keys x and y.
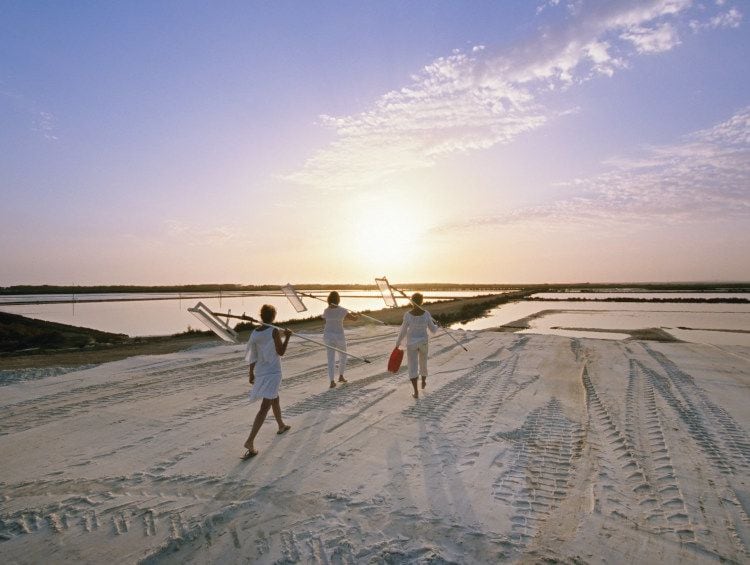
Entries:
{"x":261,"y":350}
{"x":414,"y":328}
{"x":334,"y":317}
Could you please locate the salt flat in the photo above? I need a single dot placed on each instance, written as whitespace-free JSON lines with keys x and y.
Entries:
{"x":526,"y":448}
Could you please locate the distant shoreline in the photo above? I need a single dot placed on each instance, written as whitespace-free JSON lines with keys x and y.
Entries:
{"x":228,"y":289}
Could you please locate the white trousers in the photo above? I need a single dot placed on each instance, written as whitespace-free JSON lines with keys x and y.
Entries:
{"x":417,"y":352}
{"x":339,"y":342}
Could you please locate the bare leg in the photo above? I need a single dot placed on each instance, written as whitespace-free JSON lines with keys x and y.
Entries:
{"x":276,"y":407}
{"x":414,"y":384}
{"x":265,"y":404}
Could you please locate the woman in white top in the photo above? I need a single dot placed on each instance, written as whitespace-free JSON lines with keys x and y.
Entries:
{"x":263,"y":352}
{"x":333,"y":334}
{"x":414,"y":328}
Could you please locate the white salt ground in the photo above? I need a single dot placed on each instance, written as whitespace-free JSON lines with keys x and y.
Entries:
{"x":524,"y":449}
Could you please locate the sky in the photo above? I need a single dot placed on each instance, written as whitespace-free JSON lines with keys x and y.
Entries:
{"x":259,"y":142}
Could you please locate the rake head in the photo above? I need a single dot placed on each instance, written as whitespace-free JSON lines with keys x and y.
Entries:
{"x":214,"y":323}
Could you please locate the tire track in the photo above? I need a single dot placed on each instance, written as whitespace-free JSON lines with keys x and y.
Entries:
{"x":622,"y":489}
{"x":735,"y":453}
{"x":666,"y":509}
{"x":538,"y":469}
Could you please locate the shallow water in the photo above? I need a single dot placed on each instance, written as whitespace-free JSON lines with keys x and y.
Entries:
{"x":138,"y":314}
{"x":170,"y":315}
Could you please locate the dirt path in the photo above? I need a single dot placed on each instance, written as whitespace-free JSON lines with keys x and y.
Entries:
{"x":527,"y":448}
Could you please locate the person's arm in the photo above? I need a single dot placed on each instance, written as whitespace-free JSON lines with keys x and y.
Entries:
{"x":251,"y":356}
{"x":281,"y":346}
{"x":433,"y":327}
{"x":353,"y":316}
{"x":402,"y":331}
{"x":251,"y":352}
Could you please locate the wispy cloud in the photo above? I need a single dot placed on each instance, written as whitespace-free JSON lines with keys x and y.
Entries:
{"x":731,"y":19}
{"x":653,"y":40}
{"x":42,"y":121}
{"x":476,"y":99}
{"x":706,"y":176}
{"x":452,"y":106}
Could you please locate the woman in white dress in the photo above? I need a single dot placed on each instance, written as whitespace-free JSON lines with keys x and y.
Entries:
{"x":414,"y":328}
{"x":333,"y":335}
{"x":263,"y":352}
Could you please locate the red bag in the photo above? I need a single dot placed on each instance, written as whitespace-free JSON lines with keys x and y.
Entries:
{"x":394,"y":362}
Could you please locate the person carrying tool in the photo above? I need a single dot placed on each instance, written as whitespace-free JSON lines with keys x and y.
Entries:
{"x":264,"y":351}
{"x":333,"y":335}
{"x":414,"y":328}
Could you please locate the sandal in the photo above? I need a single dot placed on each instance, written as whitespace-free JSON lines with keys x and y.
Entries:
{"x":248,"y":454}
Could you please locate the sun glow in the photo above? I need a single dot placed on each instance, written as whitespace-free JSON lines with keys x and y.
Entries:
{"x":386,"y":235}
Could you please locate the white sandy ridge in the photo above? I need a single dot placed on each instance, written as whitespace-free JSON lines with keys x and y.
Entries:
{"x":525,"y":448}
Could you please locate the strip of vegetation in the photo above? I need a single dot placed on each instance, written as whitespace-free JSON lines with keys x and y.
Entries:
{"x":472,"y":311}
{"x":110,"y":289}
{"x":229,"y":288}
{"x":20,"y":333}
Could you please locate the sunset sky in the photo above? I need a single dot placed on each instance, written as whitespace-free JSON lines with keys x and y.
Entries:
{"x":271,"y":142}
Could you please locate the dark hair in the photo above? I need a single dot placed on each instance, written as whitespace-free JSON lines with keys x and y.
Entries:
{"x":334,"y":298}
{"x":417,"y":298}
{"x":267,"y":313}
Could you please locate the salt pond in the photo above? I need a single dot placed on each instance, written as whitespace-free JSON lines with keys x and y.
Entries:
{"x":143,"y":314}
{"x":139,"y":314}
{"x":716,"y":324}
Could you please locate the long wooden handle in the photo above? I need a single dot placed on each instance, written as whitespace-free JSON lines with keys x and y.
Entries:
{"x":305,"y":338}
{"x":347,"y":309}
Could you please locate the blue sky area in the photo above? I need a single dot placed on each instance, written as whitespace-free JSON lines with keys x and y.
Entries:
{"x":267,"y":142}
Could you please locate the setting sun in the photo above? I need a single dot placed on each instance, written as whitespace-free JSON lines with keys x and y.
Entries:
{"x":385,"y":235}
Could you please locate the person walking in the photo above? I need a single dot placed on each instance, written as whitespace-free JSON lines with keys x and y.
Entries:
{"x":264,"y":351}
{"x":414,"y":329}
{"x":333,"y":335}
